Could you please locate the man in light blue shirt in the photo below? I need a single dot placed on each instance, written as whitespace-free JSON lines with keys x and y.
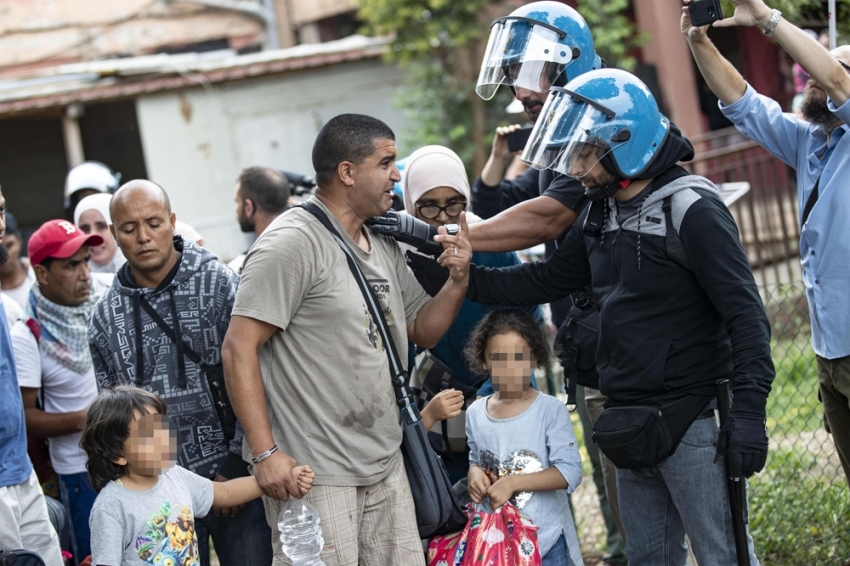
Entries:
{"x":818,"y":147}
{"x":23,"y":513}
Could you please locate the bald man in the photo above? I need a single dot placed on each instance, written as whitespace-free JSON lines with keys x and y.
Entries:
{"x":132,"y":338}
{"x":818,"y":147}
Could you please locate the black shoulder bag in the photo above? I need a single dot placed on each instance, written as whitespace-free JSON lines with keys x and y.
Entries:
{"x":437,"y":509}
{"x":214,"y":375}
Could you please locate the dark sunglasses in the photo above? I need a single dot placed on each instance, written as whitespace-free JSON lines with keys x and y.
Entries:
{"x":845,"y":65}
{"x":431,"y":211}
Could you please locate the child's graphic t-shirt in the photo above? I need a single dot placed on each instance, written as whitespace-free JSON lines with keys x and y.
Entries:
{"x":156,"y":526}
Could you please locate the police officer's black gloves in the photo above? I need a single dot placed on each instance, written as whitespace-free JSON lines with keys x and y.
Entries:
{"x":743,"y":439}
{"x":430,"y":274}
{"x":408,"y":229}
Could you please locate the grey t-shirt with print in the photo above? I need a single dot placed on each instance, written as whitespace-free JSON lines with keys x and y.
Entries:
{"x":150,"y":527}
{"x":328,"y":388}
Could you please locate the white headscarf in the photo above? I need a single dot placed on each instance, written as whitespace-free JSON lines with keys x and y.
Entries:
{"x":430,"y":167}
{"x":100,"y":202}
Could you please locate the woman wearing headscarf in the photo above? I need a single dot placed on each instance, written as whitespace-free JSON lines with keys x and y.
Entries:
{"x":92,"y":217}
{"x":436,"y":190}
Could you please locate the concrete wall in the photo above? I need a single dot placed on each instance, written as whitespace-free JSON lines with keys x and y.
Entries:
{"x":197,"y":141}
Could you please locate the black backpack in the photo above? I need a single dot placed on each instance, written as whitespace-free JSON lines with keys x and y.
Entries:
{"x":20,"y":558}
{"x":578,"y":336}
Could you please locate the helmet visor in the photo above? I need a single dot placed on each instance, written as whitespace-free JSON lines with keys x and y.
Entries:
{"x":571,"y":135}
{"x":521,"y":53}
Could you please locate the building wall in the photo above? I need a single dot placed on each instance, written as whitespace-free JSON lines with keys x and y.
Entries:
{"x":197,"y":141}
{"x":48,"y":32}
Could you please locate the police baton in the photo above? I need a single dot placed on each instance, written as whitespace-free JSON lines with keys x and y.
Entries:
{"x":735,"y":485}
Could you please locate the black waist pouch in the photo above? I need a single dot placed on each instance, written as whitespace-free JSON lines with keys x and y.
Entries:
{"x":641,"y":436}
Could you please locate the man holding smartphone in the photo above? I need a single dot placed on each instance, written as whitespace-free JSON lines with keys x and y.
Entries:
{"x":818,"y":147}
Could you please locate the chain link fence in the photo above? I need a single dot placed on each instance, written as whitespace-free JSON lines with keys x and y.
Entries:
{"x":800,"y":502}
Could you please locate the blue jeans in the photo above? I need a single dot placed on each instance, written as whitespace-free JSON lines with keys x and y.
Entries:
{"x":558,"y":555}
{"x":78,"y":497}
{"x":240,"y":540}
{"x":684,"y":494}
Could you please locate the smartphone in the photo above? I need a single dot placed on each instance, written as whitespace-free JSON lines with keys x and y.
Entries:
{"x":518,"y":138}
{"x":704,"y":12}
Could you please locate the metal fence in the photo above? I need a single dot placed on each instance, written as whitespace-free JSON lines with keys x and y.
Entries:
{"x":800,"y":502}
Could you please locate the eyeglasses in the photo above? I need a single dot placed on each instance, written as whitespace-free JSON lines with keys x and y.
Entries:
{"x":845,"y":65}
{"x":431,"y":211}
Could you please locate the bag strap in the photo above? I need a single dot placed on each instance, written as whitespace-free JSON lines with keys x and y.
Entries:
{"x":810,"y":203}
{"x":399,"y":376}
{"x":190,"y":353}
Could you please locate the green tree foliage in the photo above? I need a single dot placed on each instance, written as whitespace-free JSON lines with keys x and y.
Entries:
{"x":441,"y":44}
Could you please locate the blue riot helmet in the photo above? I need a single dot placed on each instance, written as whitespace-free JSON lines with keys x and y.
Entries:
{"x":540,"y":45}
{"x":605,"y":115}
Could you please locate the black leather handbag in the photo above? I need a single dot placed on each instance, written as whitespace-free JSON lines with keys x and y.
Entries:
{"x":437,"y":508}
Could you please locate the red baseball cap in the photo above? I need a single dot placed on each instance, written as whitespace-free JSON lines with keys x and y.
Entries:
{"x":60,"y":239}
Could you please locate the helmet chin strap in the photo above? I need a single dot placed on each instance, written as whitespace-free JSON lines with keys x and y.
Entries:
{"x":606,"y":191}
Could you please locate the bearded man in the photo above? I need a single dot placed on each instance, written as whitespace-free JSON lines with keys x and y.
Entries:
{"x":818,"y":147}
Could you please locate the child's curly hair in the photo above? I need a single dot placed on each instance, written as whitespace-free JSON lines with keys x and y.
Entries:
{"x":502,"y":322}
{"x":107,"y":427}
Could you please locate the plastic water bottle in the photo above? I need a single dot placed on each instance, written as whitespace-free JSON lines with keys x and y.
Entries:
{"x":300,"y":532}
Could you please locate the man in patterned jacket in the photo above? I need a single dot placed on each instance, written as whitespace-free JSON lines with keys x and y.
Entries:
{"x":172,"y":288}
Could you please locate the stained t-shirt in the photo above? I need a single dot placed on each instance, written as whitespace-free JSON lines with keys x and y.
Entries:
{"x":329,"y":395}
{"x":155,"y":527}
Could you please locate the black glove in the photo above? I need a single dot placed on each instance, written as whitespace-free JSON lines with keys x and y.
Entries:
{"x":408,"y":229}
{"x":430,"y":274}
{"x":743,"y":439}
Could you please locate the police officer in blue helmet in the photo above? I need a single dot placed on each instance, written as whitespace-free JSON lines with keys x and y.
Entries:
{"x":539,"y":45}
{"x":680,"y":311}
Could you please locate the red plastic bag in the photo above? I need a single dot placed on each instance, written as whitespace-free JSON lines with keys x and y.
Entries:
{"x":447,"y":550}
{"x":525,"y":549}
{"x":488,"y":542}
{"x":502,"y":538}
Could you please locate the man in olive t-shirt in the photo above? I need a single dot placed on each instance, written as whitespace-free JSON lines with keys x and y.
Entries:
{"x":305,"y":365}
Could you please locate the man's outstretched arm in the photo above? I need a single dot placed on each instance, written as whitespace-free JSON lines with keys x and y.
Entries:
{"x":527,"y":224}
{"x":806,"y":51}
{"x":722,"y":78}
{"x":244,"y":383}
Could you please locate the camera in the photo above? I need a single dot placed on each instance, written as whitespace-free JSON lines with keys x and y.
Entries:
{"x":704,"y":12}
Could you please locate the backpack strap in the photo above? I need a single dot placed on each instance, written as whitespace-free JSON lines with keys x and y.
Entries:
{"x":675,"y":249}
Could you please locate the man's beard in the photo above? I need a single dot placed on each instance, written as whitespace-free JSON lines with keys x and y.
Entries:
{"x":245,"y":223}
{"x":4,"y":254}
{"x":815,"y":110}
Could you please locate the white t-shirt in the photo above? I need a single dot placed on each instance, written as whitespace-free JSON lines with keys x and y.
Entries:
{"x":63,"y":391}
{"x":14,"y":312}
{"x":21,"y":293}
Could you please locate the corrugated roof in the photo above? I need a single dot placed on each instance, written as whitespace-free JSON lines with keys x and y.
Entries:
{"x":128,"y":77}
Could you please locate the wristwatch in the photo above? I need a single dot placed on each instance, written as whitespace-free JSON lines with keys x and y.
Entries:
{"x":772,"y":23}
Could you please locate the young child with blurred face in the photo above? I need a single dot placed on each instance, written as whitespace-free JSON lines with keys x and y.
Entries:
{"x":145,"y":510}
{"x":522,"y":445}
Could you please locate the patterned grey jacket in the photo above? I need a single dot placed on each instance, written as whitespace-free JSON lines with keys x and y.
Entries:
{"x":128,"y":347}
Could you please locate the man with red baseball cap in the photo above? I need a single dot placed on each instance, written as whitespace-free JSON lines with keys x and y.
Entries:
{"x":54,"y":362}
